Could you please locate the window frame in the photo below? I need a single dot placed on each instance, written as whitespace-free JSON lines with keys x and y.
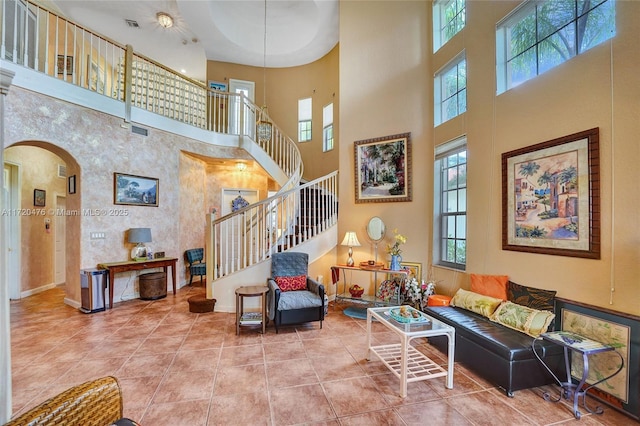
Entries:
{"x":440,"y":38}
{"x":305,"y":115}
{"x":440,"y":218}
{"x":439,"y":81}
{"x":327,"y":128}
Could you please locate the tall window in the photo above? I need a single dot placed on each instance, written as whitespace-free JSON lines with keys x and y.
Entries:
{"x":450,"y":202}
{"x":304,"y":120}
{"x":450,"y":90}
{"x":540,"y":35}
{"x":449,"y":17}
{"x":327,"y":128}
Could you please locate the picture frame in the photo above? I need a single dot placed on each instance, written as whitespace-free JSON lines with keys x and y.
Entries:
{"x":551,"y":197}
{"x":65,"y":64}
{"x":71,"y":184}
{"x":133,"y":190}
{"x":39,"y":197}
{"x":415,"y":269}
{"x":217,"y":86}
{"x":382,"y":168}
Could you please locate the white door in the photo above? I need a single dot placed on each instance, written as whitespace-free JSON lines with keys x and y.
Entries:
{"x":60,"y":229}
{"x":248,"y":89}
{"x":11,"y":228}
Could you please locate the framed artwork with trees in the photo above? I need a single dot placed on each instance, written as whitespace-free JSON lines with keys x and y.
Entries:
{"x":551,"y":197}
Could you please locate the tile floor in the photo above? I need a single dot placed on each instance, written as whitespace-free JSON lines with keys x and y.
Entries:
{"x":181,"y":368}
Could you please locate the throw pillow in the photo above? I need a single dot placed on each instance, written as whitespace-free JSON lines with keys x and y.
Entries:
{"x":297,"y":282}
{"x":490,"y":285}
{"x":474,"y":302}
{"x":531,"y":297}
{"x":527,"y":320}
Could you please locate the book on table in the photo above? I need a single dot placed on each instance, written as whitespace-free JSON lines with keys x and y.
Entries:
{"x":248,"y":318}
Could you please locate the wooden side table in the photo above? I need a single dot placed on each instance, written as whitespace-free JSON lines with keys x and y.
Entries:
{"x":251,"y":291}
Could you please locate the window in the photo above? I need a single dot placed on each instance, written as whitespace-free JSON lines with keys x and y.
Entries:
{"x":543,"y":34}
{"x":450,"y":205}
{"x":450,"y":90}
{"x":304,"y":120}
{"x":448,"y":19}
{"x":327,"y":128}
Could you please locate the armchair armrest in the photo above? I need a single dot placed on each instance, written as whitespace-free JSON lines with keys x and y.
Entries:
{"x":273,"y":297}
{"x":315,"y":287}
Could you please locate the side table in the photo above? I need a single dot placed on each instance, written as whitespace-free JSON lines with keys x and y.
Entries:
{"x":582,"y":345}
{"x":251,"y":291}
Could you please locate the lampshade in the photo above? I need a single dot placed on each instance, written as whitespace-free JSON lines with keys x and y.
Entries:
{"x":350,"y":239}
{"x":140,"y":235}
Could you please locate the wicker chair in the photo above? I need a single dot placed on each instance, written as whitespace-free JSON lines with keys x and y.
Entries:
{"x":97,"y":402}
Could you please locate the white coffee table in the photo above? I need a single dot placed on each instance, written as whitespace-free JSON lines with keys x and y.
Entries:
{"x":406,"y":362}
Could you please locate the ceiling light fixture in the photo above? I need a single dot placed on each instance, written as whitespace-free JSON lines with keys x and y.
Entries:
{"x":241,"y":166}
{"x":164,"y":19}
{"x":264,"y":127}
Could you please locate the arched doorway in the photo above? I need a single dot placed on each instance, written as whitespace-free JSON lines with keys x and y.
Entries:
{"x":43,"y":233}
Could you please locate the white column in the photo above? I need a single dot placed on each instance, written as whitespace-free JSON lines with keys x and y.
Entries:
{"x":6,"y":77}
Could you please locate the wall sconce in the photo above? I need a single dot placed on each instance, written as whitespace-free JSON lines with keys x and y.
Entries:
{"x":351,"y":240}
{"x":241,"y":166}
{"x":164,"y":19}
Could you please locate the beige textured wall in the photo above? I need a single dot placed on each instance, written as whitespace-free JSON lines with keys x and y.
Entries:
{"x":100,"y":146}
{"x":39,"y":170}
{"x":318,"y":80}
{"x":600,"y":88}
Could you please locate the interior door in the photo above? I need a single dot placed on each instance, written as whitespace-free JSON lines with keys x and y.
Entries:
{"x":11,"y":229}
{"x":247,"y":88}
{"x":60,"y":229}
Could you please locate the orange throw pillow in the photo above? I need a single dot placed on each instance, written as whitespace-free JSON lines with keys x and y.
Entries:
{"x":490,"y":285}
{"x":298,"y":282}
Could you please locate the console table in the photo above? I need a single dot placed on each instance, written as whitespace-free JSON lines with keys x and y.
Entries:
{"x":586,"y":347}
{"x":133,"y":265}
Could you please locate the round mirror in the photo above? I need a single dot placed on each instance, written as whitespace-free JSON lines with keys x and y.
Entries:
{"x":376,"y":229}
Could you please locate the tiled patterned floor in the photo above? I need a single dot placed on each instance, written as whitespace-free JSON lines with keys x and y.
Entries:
{"x":181,"y":368}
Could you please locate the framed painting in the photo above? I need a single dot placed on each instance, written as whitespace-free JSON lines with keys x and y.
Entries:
{"x":39,"y":197}
{"x":65,"y":64}
{"x":217,"y":86}
{"x":414,"y":268}
{"x":134,"y":190}
{"x":551,"y":197}
{"x":383,"y":169}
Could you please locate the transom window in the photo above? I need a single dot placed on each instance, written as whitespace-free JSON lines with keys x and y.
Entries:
{"x":450,"y":201}
{"x":327,"y":128}
{"x":540,"y":35}
{"x":449,"y":17}
{"x":304,"y":120}
{"x":450,"y":90}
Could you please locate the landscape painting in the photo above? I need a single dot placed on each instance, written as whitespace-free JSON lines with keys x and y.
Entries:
{"x":550,"y":195}
{"x":135,"y":190}
{"x":383,"y":169}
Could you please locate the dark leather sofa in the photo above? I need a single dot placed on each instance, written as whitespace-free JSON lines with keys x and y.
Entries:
{"x":497,"y":353}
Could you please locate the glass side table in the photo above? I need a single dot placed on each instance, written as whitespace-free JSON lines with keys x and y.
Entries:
{"x":586,"y":347}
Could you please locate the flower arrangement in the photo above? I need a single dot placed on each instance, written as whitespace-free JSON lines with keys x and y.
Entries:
{"x":394,"y":249}
{"x":417,"y":294}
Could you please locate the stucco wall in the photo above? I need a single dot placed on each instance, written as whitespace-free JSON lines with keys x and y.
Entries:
{"x":600,"y":88}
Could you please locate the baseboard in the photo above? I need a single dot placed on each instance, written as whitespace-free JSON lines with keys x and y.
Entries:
{"x":40,"y":289}
{"x":72,"y":303}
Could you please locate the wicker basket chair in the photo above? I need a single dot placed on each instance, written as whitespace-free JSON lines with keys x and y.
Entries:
{"x":97,"y":402}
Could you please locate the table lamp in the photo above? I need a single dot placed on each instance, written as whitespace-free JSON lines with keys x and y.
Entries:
{"x":139,"y":236}
{"x":351,"y":240}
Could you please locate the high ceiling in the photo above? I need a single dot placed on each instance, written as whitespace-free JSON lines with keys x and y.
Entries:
{"x":297,"y":31}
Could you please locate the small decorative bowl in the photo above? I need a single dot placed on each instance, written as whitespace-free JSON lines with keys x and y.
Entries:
{"x":356,"y":292}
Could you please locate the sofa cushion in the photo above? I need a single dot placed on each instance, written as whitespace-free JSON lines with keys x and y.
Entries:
{"x":298,"y":282}
{"x":298,"y":300}
{"x":490,"y":285}
{"x":531,"y":297}
{"x":478,"y":303}
{"x":527,"y":320}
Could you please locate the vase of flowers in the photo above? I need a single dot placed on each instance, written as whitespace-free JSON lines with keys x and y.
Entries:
{"x":394,"y":250}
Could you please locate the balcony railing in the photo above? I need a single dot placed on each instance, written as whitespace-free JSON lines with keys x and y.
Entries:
{"x":36,"y":38}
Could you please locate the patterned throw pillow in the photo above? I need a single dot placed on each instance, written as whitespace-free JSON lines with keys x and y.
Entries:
{"x":527,"y":320}
{"x":298,"y":282}
{"x":474,"y":302}
{"x":531,"y":297}
{"x":490,"y":285}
